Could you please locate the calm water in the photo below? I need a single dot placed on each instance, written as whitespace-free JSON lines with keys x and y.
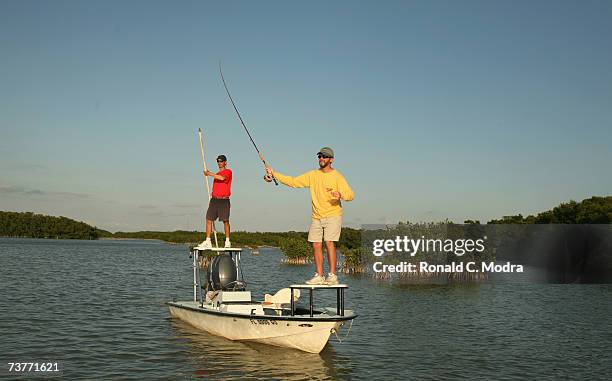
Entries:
{"x":98,"y":309}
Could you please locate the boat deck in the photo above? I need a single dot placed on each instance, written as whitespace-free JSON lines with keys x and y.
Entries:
{"x":251,"y":310}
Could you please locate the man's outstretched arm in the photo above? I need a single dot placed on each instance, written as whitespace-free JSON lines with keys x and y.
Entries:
{"x":301,"y":181}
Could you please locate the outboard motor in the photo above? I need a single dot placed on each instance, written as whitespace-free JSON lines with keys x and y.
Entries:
{"x":222,"y":272}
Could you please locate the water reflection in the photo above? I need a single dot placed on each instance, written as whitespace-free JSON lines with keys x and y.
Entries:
{"x":215,"y":357}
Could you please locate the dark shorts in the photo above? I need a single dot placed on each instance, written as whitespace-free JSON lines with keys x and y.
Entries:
{"x":218,"y":208}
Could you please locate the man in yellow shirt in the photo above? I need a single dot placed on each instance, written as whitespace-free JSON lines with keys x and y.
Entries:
{"x":327,"y":188}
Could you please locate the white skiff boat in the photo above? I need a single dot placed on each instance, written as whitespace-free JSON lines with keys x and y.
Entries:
{"x":225,"y":308}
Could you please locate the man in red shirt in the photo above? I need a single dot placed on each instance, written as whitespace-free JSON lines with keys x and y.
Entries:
{"x":219,"y":206}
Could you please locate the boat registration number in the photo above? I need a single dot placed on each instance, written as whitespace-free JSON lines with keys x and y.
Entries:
{"x":263,"y":322}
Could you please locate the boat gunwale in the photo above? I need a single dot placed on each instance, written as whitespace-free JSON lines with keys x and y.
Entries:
{"x":334,"y":318}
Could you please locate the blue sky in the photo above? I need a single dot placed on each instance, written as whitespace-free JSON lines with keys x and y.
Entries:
{"x":436,"y":109}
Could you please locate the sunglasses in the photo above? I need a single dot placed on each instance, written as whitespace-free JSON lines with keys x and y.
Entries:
{"x":320,"y":155}
{"x":220,"y":161}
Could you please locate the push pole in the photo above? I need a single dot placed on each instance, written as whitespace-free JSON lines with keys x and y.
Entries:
{"x":206,"y":181}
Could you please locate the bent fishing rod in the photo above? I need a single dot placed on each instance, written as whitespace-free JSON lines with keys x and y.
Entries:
{"x":244,"y":125}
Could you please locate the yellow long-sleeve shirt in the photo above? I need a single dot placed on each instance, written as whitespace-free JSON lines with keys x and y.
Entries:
{"x":321,"y":185}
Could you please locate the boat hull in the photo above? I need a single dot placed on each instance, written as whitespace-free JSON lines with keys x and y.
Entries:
{"x":300,"y":332}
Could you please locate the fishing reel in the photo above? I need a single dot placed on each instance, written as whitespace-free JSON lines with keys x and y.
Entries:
{"x":268,"y":178}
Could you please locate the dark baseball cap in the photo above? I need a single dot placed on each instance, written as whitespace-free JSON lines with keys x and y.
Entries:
{"x":221,"y":158}
{"x":326,"y":151}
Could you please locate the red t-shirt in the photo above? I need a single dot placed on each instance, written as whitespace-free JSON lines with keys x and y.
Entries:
{"x":222,"y":189}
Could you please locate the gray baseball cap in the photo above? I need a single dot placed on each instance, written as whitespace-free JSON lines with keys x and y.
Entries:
{"x":326,"y":151}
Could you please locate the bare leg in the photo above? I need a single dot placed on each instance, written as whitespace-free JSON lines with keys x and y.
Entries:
{"x":209,"y":225}
{"x":331,"y":256}
{"x":318,"y":256}
{"x":226,"y":227}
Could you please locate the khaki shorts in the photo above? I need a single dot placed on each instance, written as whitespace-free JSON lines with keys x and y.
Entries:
{"x":325,"y":229}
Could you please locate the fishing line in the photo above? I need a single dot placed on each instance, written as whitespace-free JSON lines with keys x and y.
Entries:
{"x":242,"y":122}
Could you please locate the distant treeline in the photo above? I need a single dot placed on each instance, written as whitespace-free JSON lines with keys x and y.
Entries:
{"x":293,"y":244}
{"x":351,"y":238}
{"x":594,"y":210}
{"x":13,"y":224}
